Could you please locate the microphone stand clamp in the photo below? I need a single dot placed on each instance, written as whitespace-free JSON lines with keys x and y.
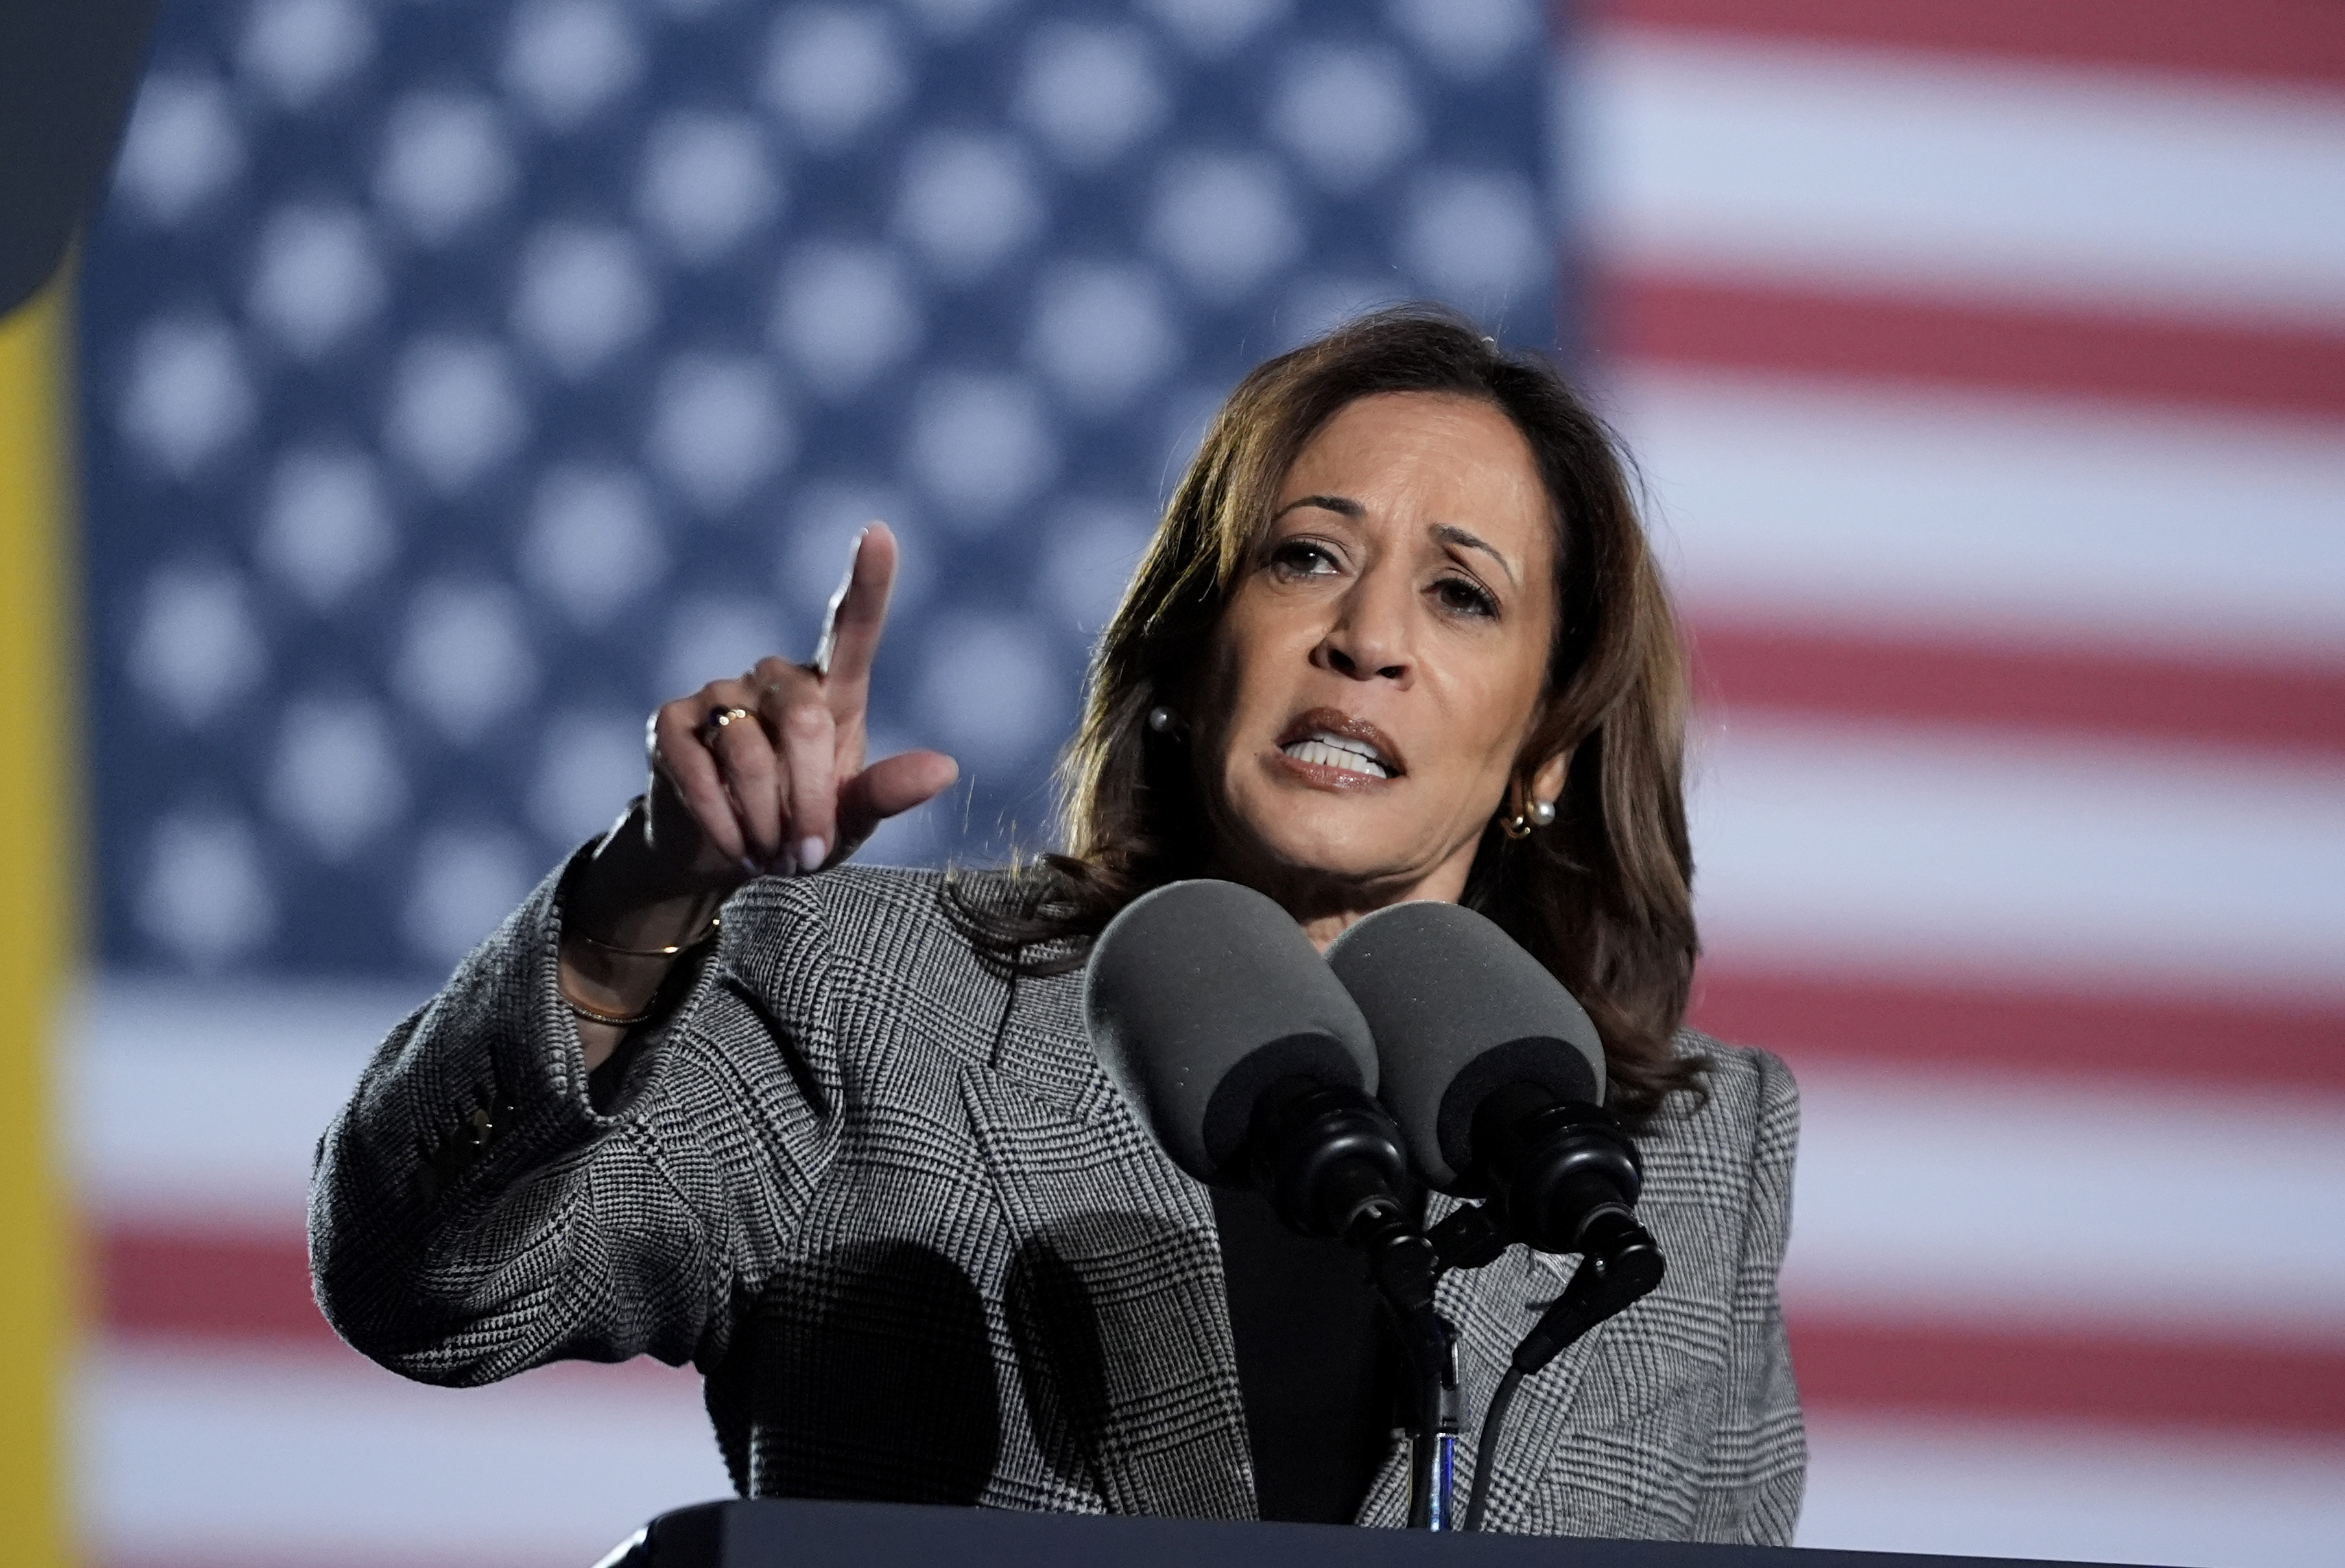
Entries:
{"x":1404,"y":1266}
{"x":1333,"y":1164}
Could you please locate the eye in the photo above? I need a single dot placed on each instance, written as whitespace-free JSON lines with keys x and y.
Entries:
{"x":1296,"y":558}
{"x":1464,"y":596}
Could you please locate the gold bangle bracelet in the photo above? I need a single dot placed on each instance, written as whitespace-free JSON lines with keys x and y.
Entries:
{"x":615,"y":1020}
{"x":707,"y":932}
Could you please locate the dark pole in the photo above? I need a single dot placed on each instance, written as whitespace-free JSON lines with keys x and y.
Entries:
{"x":66,"y":71}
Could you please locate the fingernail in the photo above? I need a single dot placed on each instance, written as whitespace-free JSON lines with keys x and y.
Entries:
{"x":751,"y":866}
{"x":811,"y":853}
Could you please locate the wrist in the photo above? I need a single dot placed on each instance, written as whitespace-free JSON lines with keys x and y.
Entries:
{"x":626,"y":920}
{"x":626,"y":900}
{"x":621,"y":977}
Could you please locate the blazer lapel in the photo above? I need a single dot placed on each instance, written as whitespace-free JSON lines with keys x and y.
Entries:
{"x":1116,"y":1305}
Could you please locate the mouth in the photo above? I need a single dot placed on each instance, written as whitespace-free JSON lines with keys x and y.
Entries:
{"x":1327,"y":738}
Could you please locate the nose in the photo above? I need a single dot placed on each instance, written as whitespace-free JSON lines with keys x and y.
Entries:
{"x":1368,"y":639}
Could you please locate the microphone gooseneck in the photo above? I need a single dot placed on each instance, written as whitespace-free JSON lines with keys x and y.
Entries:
{"x":1603,"y":1284}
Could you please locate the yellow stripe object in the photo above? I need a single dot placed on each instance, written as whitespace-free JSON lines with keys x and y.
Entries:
{"x":40,"y":920}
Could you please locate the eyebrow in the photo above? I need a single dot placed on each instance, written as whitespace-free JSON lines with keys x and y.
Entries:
{"x":1343,"y":506}
{"x":1450,"y":533}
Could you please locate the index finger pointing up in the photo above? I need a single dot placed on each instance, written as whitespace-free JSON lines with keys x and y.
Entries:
{"x":850,"y":637}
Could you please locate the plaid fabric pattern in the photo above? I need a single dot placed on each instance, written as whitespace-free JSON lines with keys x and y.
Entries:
{"x":888,"y":1204}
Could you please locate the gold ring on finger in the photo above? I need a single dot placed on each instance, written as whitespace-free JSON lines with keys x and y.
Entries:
{"x":718,"y":720}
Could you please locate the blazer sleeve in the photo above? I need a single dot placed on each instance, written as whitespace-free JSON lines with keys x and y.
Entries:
{"x":1757,"y":1470}
{"x":473,"y":1213}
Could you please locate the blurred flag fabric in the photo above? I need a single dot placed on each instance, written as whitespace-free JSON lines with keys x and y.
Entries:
{"x":460,"y":382}
{"x":1987,"y":362}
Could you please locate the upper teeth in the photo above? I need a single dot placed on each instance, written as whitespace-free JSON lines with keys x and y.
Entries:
{"x":1339,"y":751}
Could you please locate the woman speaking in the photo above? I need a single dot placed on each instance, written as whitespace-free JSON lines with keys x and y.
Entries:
{"x":835,"y":1135}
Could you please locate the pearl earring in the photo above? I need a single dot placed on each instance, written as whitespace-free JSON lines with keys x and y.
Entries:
{"x":1538,"y":813}
{"x":1159,"y":719}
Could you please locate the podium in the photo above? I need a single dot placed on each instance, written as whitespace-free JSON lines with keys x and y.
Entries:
{"x":788,"y":1533}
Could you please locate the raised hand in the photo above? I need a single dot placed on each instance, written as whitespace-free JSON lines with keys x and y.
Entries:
{"x":766,"y":773}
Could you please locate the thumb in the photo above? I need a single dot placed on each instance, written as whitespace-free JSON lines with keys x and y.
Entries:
{"x":890,"y":787}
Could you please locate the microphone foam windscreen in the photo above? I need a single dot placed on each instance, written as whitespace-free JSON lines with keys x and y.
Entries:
{"x":1201,"y":995}
{"x":1459,"y":1010}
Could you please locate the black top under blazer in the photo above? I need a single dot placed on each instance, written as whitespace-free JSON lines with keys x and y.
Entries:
{"x":886,"y":1201}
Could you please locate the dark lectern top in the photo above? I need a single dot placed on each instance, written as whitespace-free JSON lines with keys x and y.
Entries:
{"x":779,"y":1533}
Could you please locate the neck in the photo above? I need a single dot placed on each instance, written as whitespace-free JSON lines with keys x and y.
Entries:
{"x":1325,"y":903}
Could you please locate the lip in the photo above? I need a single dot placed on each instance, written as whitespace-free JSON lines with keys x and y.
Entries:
{"x":1335,"y":721}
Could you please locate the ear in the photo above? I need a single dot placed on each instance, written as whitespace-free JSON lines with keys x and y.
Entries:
{"x":1547,"y":783}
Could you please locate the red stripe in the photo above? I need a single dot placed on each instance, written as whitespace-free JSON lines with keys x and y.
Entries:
{"x":1674,"y":319}
{"x":2288,"y":41}
{"x":239,"y":1286}
{"x":211,"y":1284}
{"x":2070,"y":690}
{"x":1905,"y":1024}
{"x":1957,"y":1370}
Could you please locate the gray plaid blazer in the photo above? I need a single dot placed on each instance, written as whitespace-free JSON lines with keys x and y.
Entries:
{"x":885,"y":1201}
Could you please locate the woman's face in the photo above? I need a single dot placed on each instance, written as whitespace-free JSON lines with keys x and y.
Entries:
{"x":1377,"y":670}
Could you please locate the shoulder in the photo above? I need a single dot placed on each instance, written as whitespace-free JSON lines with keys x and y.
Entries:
{"x":1742,"y":1129}
{"x":851,"y":895}
{"x":1748,"y":1087}
{"x":883,"y":915}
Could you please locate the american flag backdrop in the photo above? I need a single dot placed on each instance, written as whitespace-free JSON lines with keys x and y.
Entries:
{"x":458,"y":381}
{"x":1986,"y":361}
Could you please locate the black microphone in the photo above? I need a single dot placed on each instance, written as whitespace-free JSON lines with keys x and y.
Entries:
{"x":1247,"y":1059}
{"x":1253,"y":1067}
{"x":1495,"y":1075}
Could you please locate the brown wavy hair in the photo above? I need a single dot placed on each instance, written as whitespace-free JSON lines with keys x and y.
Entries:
{"x":1602,"y":897}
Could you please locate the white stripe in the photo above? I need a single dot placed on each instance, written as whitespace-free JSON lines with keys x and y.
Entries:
{"x":1954,"y":1197}
{"x":1969,"y":854}
{"x":208,"y":1101}
{"x":259,"y":1458}
{"x":2078,"y":1493}
{"x":1999,"y":517}
{"x":2113,"y":190}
